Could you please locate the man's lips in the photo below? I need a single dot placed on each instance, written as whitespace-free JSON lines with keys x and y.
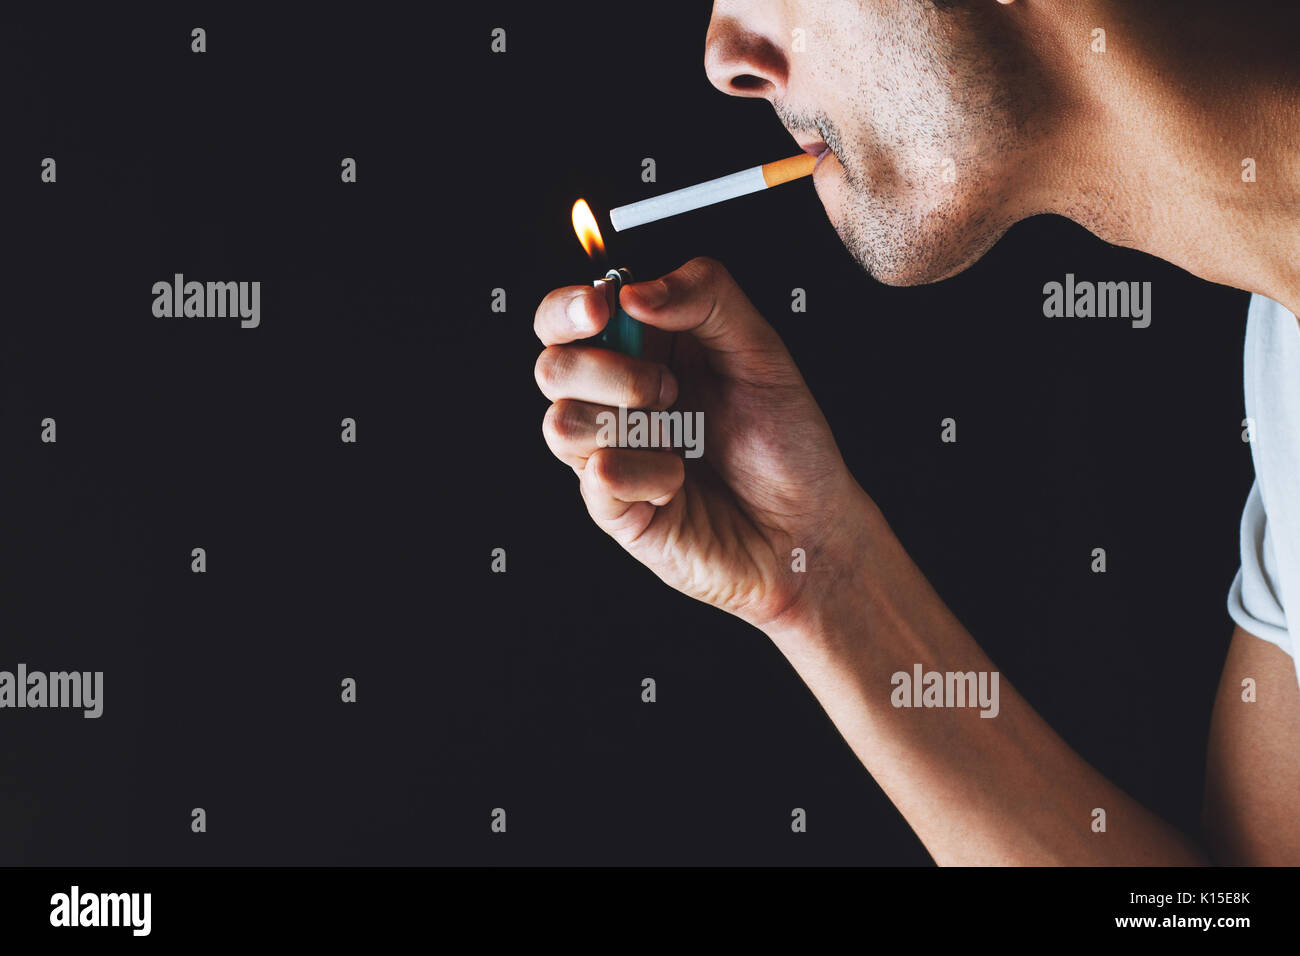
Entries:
{"x":818,"y":149}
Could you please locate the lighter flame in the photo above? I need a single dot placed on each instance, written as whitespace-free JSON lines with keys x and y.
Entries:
{"x":584,"y":224}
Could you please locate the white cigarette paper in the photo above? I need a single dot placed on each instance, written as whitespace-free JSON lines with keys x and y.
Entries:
{"x":743,"y":183}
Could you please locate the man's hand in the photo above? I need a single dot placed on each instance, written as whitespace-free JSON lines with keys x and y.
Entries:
{"x":720,"y":528}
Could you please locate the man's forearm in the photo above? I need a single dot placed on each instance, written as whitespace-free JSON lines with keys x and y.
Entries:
{"x":1004,"y":789}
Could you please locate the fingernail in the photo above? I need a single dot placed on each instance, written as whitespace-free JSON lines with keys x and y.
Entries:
{"x":652,"y":294}
{"x":576,"y":313}
{"x":667,"y":389}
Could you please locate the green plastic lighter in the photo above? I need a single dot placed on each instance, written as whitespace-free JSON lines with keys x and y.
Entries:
{"x":623,"y":333}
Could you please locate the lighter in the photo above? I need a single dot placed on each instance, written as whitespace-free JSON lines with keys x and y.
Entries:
{"x":623,"y":333}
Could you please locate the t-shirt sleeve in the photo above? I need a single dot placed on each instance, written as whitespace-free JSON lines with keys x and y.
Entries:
{"x":1255,"y":598}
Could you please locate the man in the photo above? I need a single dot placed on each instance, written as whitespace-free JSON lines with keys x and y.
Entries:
{"x":1147,"y":145}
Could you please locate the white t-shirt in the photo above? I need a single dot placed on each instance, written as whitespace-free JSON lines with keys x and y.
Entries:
{"x":1269,"y":580}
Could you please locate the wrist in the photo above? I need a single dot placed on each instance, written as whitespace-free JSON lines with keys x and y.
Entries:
{"x":832,"y":603}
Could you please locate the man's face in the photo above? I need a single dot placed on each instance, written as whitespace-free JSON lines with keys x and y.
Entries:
{"x":930,"y":115}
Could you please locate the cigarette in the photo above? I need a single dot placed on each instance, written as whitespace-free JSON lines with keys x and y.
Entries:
{"x":743,"y":183}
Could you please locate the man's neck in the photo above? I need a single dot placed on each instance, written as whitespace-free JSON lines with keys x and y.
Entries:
{"x":1182,"y":138}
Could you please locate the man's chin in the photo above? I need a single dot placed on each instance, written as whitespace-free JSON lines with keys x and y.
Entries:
{"x":915,"y":253}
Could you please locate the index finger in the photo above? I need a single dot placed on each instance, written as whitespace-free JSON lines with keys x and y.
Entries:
{"x":571,"y":313}
{"x":702,"y":298}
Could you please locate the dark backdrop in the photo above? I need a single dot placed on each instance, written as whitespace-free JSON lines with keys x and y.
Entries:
{"x":520,"y":690}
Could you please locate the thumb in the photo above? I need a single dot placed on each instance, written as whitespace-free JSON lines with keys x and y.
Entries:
{"x":702,"y":298}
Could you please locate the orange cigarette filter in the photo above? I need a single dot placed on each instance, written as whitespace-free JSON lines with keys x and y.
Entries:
{"x":784,"y":170}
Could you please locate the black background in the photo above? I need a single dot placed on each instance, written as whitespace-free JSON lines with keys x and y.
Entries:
{"x":479,"y":690}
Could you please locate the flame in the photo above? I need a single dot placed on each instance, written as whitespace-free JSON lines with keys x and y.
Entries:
{"x":584,"y":224}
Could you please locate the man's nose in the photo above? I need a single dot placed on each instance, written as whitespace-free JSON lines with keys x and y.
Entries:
{"x":744,"y":58}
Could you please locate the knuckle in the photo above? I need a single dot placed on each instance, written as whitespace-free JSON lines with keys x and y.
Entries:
{"x":707,"y":271}
{"x":564,"y":422}
{"x":552,"y":429}
{"x":641,"y":388}
{"x":676,"y":471}
{"x":603,"y":467}
{"x":550,"y":370}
